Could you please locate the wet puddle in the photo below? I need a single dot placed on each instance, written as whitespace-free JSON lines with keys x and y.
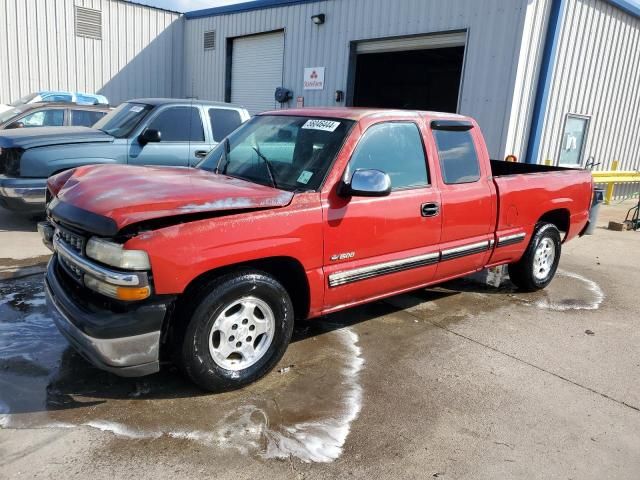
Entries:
{"x":568,"y":291}
{"x":304,"y":408}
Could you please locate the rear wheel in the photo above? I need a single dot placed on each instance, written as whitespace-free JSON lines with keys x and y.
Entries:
{"x":539,"y":264}
{"x":238,"y":331}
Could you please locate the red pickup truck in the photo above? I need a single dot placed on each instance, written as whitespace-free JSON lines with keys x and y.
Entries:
{"x":297,"y":214}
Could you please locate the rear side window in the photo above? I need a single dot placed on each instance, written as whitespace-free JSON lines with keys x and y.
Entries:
{"x":458,"y":157}
{"x":223,"y":122}
{"x":85,"y":118}
{"x":396,"y":149}
{"x":179,"y":124}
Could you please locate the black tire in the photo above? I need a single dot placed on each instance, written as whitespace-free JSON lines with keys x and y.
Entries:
{"x":194,"y":355}
{"x":523,"y":273}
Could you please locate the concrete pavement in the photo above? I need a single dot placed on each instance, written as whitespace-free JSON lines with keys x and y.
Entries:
{"x":459,"y":381}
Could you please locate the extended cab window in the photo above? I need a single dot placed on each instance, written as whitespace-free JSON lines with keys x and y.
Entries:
{"x":458,"y":157}
{"x":223,"y":122}
{"x":85,"y":118}
{"x":179,"y":124}
{"x":396,"y":149}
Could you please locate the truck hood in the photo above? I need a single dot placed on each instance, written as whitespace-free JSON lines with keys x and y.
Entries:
{"x":127,"y":194}
{"x":44,"y":136}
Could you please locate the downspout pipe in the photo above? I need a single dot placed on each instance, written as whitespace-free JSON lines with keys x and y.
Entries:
{"x":544,"y":80}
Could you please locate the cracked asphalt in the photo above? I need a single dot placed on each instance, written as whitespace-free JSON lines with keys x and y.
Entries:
{"x":459,"y":381}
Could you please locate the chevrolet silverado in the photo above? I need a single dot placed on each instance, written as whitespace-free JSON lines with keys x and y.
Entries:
{"x":297,"y":214}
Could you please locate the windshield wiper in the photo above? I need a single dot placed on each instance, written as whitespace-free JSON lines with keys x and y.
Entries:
{"x":269,"y":167}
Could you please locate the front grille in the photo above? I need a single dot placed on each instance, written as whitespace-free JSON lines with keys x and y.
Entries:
{"x":71,"y":269}
{"x":73,"y":240}
{"x":10,"y":161}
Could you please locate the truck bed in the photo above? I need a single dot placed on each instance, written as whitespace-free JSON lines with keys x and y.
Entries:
{"x":500,"y":168}
{"x":529,"y":193}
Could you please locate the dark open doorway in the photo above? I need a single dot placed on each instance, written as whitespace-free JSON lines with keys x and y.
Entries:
{"x":415,"y":79}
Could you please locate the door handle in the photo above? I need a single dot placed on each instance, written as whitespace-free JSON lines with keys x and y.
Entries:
{"x":201,"y":153}
{"x":430,"y":209}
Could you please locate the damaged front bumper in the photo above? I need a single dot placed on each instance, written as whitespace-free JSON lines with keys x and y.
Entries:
{"x":125,"y":342}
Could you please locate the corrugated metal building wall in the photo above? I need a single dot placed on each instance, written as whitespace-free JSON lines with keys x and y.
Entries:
{"x":597,"y":75}
{"x":495,"y":33}
{"x":140,"y":53}
{"x":526,"y":81}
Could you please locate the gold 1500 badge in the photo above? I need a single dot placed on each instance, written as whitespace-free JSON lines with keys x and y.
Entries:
{"x":342,"y":256}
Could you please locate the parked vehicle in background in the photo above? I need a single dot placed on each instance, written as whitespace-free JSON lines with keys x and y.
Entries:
{"x":297,"y":214}
{"x":52,"y":115}
{"x":155,"y":131}
{"x":57,"y":96}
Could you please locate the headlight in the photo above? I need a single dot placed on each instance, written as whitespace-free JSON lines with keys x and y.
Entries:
{"x":115,"y":255}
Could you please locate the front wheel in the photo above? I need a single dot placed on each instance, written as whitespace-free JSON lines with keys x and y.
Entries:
{"x":539,"y":264}
{"x":239,"y":330}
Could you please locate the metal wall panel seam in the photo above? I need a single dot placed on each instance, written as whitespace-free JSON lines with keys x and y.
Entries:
{"x":557,"y":92}
{"x":546,"y":73}
{"x":613,"y":145}
{"x":631,"y":145}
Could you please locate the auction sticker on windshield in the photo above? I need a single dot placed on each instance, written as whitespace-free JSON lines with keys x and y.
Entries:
{"x":325,"y":125}
{"x":305,"y":176}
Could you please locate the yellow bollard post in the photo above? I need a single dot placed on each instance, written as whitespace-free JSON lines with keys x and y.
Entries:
{"x":608,"y":196}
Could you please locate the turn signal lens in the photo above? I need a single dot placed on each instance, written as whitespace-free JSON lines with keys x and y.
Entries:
{"x":133,"y":293}
{"x":127,"y":294}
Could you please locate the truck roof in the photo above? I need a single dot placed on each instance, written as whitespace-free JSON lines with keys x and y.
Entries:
{"x":169,"y":101}
{"x":357,"y":113}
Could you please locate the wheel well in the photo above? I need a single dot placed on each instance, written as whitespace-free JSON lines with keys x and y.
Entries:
{"x":560,"y":218}
{"x":286,"y":270}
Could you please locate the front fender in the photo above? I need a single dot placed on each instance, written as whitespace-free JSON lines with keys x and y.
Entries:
{"x":184,"y":251}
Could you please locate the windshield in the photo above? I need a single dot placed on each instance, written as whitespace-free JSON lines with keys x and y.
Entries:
{"x":23,"y":100}
{"x":121,"y":121}
{"x":290,"y":153}
{"x":9,"y":114}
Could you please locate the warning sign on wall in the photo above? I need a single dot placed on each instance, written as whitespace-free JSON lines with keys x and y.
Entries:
{"x":314,"y":78}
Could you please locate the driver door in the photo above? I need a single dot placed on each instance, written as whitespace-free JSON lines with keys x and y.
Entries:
{"x":375,"y":246}
{"x":182,"y":142}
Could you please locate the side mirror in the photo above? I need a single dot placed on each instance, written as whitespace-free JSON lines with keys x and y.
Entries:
{"x":366,"y":183}
{"x":15,"y":125}
{"x":150,"y":135}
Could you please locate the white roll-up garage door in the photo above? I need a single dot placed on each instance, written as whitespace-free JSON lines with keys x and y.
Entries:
{"x":422,"y":42}
{"x":256,"y":71}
